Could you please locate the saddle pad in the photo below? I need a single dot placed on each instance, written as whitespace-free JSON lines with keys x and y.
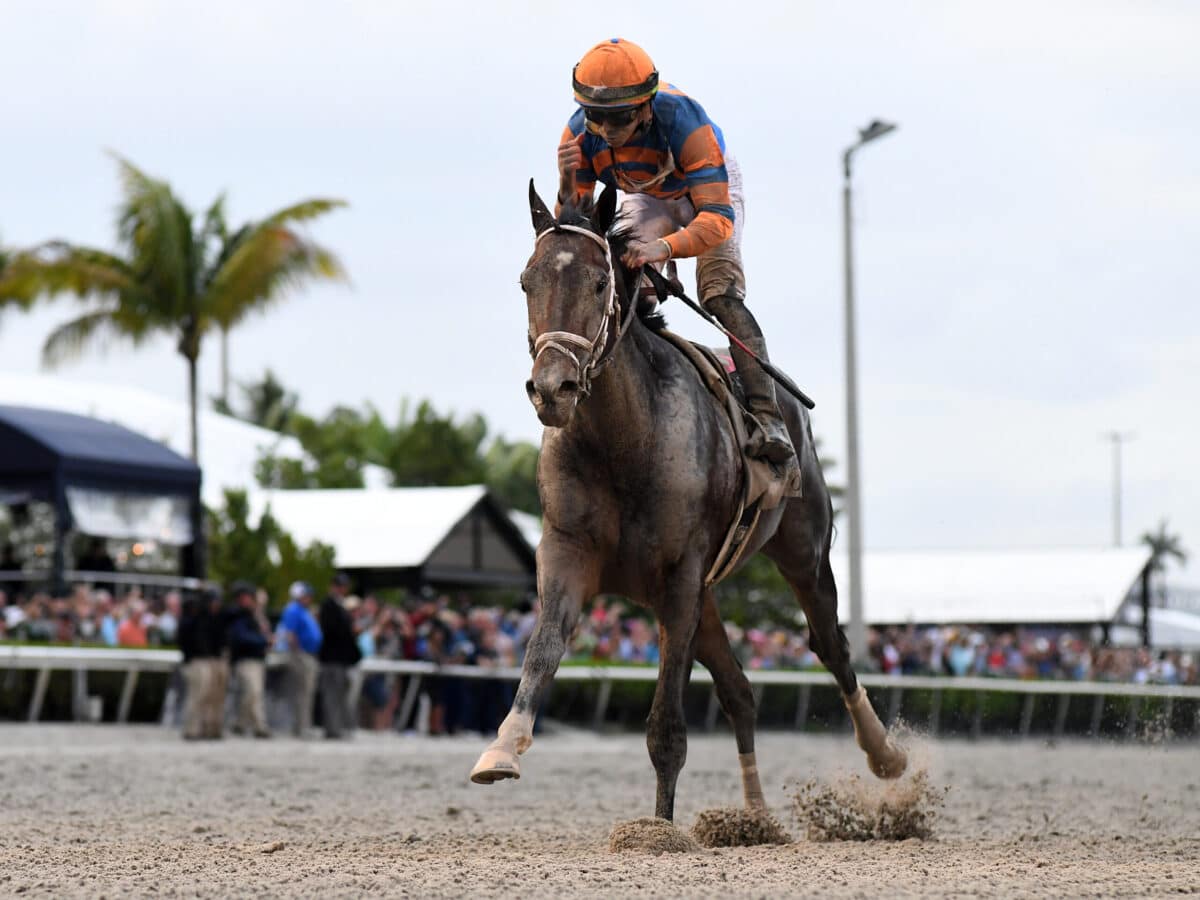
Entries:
{"x":762,"y":488}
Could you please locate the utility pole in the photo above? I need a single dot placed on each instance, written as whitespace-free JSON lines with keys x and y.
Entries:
{"x":858,"y":627}
{"x":1118,"y":438}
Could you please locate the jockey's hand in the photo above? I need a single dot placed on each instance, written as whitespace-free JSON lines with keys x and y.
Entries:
{"x":570,"y":161}
{"x":639,"y":254}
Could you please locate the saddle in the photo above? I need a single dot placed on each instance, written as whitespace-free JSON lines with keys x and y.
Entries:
{"x":764,"y":486}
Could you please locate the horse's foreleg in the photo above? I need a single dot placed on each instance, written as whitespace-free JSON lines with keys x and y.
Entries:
{"x":564,"y":586}
{"x":734,"y":693}
{"x":666,"y":729}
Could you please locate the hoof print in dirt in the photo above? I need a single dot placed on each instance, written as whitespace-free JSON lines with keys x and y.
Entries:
{"x":733,"y":826}
{"x":648,"y":835}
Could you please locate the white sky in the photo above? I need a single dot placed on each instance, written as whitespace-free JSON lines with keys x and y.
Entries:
{"x":1026,"y":242}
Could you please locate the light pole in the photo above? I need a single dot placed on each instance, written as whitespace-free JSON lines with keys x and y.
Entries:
{"x":858,"y":628}
{"x":1118,"y":438}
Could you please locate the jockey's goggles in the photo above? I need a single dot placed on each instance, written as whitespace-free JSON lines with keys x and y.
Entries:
{"x":596,"y":118}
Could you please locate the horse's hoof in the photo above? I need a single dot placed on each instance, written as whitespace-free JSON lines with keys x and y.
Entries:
{"x":890,"y":764}
{"x":495,"y":765}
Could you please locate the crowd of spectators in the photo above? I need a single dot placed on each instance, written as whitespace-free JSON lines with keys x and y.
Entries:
{"x":447,"y":630}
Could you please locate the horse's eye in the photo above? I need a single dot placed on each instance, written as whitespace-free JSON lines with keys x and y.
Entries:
{"x":601,"y":284}
{"x":521,"y":282}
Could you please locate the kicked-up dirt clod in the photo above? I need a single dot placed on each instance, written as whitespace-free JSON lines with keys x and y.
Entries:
{"x":855,"y":809}
{"x":650,"y":835}
{"x":733,"y":826}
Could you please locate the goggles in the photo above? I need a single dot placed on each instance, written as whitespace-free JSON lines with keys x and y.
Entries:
{"x":596,"y":119}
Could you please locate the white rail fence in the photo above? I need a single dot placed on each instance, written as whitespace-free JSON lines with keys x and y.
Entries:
{"x":80,"y":661}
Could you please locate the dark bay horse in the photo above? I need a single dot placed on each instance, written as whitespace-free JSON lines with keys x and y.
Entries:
{"x":639,"y":479}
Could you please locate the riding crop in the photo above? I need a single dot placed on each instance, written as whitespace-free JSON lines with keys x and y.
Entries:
{"x":664,"y":286}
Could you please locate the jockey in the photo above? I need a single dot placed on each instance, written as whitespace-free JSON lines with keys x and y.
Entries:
{"x":684,"y":197}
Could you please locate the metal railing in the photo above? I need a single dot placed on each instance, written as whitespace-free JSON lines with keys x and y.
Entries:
{"x":45,"y":660}
{"x":45,"y":578}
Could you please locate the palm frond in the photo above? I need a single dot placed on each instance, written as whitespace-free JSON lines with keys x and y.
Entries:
{"x":305,"y":210}
{"x":211,"y":239}
{"x":12,"y":290}
{"x":70,"y":339}
{"x":157,"y":228}
{"x":57,"y":268}
{"x":264,"y":265}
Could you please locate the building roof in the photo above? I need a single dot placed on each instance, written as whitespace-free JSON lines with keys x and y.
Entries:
{"x":42,"y":446}
{"x":993,"y":586}
{"x":451,"y":534}
{"x":229,"y":448}
{"x":1049,"y":585}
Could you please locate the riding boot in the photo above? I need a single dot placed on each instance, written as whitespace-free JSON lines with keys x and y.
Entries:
{"x":772,"y":441}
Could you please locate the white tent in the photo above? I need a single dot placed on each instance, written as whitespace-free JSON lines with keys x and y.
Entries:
{"x":229,"y":447}
{"x":982,"y":586}
{"x":1174,"y":628}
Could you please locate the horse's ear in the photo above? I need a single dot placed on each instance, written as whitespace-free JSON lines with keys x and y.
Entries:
{"x":542,"y":217}
{"x":605,"y":211}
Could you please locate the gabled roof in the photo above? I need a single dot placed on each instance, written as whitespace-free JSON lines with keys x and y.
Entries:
{"x":440,"y":533}
{"x":42,"y":444}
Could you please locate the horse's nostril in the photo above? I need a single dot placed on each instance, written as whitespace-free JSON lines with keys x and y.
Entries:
{"x":569,"y":387}
{"x":530,"y":389}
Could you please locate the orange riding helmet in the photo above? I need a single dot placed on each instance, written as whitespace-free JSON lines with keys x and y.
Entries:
{"x":615,"y":74}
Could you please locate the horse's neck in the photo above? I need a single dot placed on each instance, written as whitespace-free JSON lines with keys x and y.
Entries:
{"x":624,"y":396}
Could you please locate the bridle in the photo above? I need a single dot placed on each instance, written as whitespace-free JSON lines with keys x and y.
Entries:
{"x":595,"y":348}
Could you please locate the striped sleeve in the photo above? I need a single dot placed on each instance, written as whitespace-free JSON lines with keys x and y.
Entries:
{"x":702,"y":160}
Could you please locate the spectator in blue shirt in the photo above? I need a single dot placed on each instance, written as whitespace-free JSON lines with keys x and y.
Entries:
{"x":299,"y":636}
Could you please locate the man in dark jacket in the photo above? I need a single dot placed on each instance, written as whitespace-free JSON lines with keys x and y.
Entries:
{"x":339,"y":652}
{"x":249,"y":636}
{"x":202,"y":643}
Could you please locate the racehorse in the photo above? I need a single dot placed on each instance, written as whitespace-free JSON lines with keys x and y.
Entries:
{"x":639,"y":478}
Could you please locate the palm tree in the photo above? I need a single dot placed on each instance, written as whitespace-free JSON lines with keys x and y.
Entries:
{"x":177,"y":275}
{"x":266,"y":403}
{"x":1163,"y":546}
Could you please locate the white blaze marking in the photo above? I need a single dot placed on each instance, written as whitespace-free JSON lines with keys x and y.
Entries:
{"x":564,"y":259}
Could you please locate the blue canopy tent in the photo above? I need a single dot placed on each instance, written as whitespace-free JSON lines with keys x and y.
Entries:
{"x":101,"y":478}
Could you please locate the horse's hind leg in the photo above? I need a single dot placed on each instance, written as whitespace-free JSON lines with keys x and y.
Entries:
{"x":734,"y":693}
{"x":818,"y":598}
{"x":566,"y":579}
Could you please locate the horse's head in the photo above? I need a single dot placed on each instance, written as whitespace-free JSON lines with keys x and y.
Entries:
{"x":572,"y":293}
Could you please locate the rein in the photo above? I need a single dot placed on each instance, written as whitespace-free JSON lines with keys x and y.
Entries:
{"x":599,"y":349}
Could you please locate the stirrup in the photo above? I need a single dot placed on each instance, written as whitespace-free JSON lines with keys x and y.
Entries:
{"x":770,"y":440}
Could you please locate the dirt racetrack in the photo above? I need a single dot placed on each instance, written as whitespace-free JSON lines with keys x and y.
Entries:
{"x":133,"y":811}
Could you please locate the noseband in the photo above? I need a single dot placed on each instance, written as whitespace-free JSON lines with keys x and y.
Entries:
{"x":559,"y":340}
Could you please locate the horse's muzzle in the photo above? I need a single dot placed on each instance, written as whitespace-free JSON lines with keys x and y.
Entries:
{"x":554,"y":398}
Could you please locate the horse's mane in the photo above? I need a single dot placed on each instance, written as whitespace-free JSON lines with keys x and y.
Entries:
{"x":620,"y":233}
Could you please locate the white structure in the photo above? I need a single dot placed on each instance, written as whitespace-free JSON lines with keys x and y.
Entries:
{"x":996,"y":586}
{"x":229,"y":447}
{"x":416,"y":535}
{"x":989,"y":586}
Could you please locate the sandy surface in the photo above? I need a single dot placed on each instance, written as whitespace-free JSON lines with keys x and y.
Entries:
{"x":120,"y":811}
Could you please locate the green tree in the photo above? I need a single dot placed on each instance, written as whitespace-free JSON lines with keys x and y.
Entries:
{"x":264,"y":553}
{"x":512,"y":474}
{"x":14,"y":291}
{"x":432,"y":449}
{"x":266,"y":403}
{"x":336,"y":446}
{"x":1164,"y":546}
{"x":174,"y":273}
